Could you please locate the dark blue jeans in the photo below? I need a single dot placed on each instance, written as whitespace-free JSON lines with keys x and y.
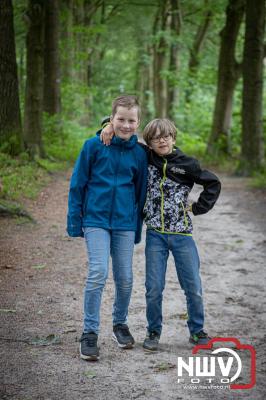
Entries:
{"x":187,"y":265}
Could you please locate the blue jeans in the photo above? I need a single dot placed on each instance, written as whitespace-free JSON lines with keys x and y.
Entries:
{"x":100,"y":243}
{"x":187,"y":266}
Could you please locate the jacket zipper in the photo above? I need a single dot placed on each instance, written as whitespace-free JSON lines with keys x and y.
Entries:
{"x":162,"y":194}
{"x":114,"y":190}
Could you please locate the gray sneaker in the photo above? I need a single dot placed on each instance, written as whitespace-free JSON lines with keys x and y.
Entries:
{"x":151,"y":342}
{"x":199,"y":338}
{"x":122,"y":336}
{"x":88,"y":346}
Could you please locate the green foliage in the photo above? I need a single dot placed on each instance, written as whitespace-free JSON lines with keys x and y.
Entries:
{"x":20,"y":178}
{"x":111,"y":47}
{"x":63,"y":140}
{"x":192,"y":145}
{"x":258,"y":180}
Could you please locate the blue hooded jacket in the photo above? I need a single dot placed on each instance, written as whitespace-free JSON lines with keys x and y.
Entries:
{"x":108,"y":187}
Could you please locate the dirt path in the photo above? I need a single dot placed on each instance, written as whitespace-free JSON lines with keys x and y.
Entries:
{"x":42,"y":274}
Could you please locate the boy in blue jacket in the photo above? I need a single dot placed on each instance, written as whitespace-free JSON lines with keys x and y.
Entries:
{"x":106,"y":197}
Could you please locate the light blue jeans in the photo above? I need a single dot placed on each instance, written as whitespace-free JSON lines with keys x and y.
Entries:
{"x":187,"y":266}
{"x":100,"y":244}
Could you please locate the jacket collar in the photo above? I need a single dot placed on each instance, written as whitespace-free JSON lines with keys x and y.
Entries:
{"x":117,"y":141}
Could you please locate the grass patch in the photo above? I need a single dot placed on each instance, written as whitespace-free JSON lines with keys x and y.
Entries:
{"x":20,"y":178}
{"x":258,"y":181}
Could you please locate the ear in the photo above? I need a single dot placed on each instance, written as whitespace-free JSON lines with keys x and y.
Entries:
{"x":111,"y":118}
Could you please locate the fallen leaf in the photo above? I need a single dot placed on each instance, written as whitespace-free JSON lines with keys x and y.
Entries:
{"x":6,"y":310}
{"x":164,"y":366}
{"x":183,"y":316}
{"x":40,"y":266}
{"x":90,"y":374}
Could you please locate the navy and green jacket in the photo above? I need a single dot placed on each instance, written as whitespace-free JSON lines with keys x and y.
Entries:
{"x":108,"y":187}
{"x":170,"y":180}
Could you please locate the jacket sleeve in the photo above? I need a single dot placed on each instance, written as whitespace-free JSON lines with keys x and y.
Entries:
{"x":211,"y":189}
{"x":78,"y":183}
{"x":141,"y":191}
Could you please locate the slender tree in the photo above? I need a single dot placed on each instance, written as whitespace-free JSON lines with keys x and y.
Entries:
{"x":159,"y":60}
{"x":51,"y":88}
{"x":10,"y":119}
{"x":175,"y":31}
{"x":252,"y":127}
{"x":229,"y":71}
{"x":195,"y":50}
{"x":67,"y":40}
{"x":34,"y":81}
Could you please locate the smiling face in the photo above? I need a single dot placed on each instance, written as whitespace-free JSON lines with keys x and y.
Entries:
{"x":162,"y":144}
{"x":125,"y":122}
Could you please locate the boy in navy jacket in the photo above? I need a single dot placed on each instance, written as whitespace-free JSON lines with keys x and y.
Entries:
{"x":106,"y":198}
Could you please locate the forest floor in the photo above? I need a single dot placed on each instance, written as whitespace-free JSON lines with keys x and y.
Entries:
{"x":42,"y":276}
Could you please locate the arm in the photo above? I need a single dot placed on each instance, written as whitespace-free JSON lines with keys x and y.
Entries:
{"x":211,"y":190}
{"x":140,"y":190}
{"x":78,"y":184}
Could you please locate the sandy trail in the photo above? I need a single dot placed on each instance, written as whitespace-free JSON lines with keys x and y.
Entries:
{"x":42,"y":275}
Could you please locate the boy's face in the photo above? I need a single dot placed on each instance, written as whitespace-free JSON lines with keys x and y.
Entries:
{"x":162,"y":144}
{"x":125,"y":122}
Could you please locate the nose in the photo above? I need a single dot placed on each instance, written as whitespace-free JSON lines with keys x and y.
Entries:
{"x":126,"y":125}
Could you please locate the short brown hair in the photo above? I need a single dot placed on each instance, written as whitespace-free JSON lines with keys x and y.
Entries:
{"x":163,"y":125}
{"x":127,"y":101}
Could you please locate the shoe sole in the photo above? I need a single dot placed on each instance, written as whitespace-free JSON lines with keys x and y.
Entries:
{"x":150,"y":350}
{"x":197,"y":343}
{"x":122,"y":346}
{"x":88,"y":358}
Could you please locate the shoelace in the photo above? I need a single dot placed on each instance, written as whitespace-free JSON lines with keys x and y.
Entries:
{"x":153,"y":335}
{"x":90,"y":340}
{"x":202,"y":334}
{"x":124,"y":330}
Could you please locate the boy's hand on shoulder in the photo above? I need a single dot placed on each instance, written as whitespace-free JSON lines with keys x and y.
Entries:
{"x":107,"y":134}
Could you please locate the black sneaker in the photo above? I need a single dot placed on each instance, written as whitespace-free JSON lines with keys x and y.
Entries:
{"x":151,"y":341}
{"x":122,"y":336}
{"x":88,"y":346}
{"x":199,"y":338}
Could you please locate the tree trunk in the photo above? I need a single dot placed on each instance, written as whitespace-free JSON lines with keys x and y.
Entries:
{"x":159,"y":58}
{"x":195,"y":51}
{"x":79,"y":42}
{"x":34,"y":82}
{"x":228,"y":74}
{"x":252,"y":126}
{"x":10,"y":118}
{"x":51,"y":89}
{"x":143,"y":80}
{"x":175,"y":27}
{"x":67,"y":40}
